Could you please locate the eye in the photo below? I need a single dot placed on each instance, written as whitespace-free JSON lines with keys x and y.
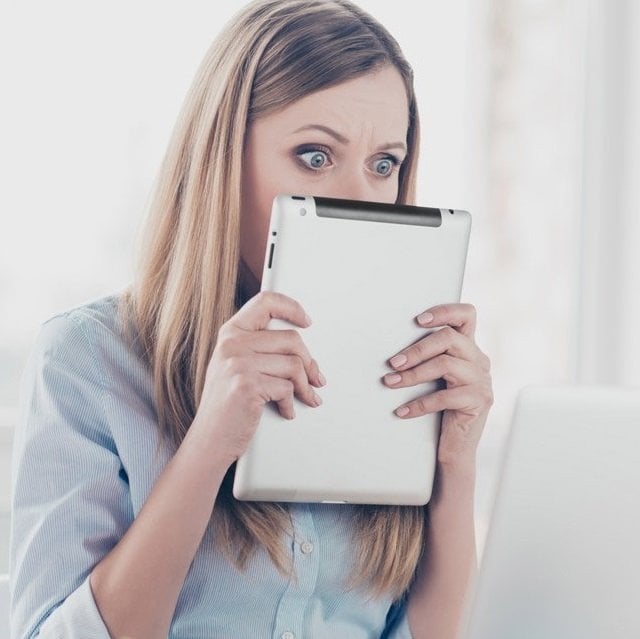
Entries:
{"x":387,"y":165}
{"x":316,"y":157}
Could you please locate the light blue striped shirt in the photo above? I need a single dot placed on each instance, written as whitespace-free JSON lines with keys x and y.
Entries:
{"x":83,"y":466}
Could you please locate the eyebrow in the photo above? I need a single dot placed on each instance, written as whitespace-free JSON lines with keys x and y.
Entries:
{"x":340,"y":138}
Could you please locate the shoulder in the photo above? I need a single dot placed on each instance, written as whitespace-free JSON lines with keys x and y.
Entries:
{"x":67,"y":331}
{"x":96,"y":320}
{"x":90,"y":334}
{"x":82,"y":368}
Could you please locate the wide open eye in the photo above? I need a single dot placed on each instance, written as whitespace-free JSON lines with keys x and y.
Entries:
{"x":313,"y":158}
{"x":386,"y":166}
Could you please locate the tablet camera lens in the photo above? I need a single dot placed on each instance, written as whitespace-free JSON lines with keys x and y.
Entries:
{"x":303,"y":211}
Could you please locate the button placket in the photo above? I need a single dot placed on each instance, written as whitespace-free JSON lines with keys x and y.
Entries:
{"x":290,"y":612}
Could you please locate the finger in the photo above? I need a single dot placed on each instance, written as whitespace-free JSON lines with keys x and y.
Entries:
{"x":288,"y":367}
{"x":234,"y":341}
{"x":460,"y":316}
{"x":443,"y":340}
{"x":455,"y":371}
{"x":281,"y":392}
{"x":471,"y":399}
{"x":286,"y":342}
{"x":265,"y":305}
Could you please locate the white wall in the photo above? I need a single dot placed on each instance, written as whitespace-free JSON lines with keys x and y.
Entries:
{"x":610,"y":301}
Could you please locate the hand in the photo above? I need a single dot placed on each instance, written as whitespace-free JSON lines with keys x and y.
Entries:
{"x":449,"y":353}
{"x":251,"y":366}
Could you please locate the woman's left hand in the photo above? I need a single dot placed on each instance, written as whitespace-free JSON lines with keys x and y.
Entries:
{"x":449,"y":353}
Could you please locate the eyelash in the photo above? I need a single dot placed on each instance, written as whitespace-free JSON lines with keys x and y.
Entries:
{"x":323,"y":149}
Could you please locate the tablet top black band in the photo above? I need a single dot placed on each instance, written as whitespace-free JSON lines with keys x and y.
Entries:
{"x":377,"y":211}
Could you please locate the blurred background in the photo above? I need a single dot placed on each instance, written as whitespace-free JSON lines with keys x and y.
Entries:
{"x":530,"y":117}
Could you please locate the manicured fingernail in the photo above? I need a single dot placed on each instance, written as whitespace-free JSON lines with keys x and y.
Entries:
{"x":403,"y":410}
{"x":398,"y":360}
{"x":317,"y":399}
{"x":425,"y":318}
{"x":393,"y":379}
{"x":321,"y":378}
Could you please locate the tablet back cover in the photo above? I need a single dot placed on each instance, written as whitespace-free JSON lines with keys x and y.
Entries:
{"x":362,"y":271}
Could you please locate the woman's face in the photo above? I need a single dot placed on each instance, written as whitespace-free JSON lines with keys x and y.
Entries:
{"x":347,"y":141}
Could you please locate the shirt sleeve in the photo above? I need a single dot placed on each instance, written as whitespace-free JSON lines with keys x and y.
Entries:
{"x":69,"y":493}
{"x":397,"y":622}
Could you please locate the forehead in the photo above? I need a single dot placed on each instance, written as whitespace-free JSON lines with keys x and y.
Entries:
{"x":374,"y":101}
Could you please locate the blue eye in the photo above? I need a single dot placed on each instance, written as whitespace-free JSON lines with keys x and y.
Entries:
{"x":316,"y":160}
{"x":388,"y":162}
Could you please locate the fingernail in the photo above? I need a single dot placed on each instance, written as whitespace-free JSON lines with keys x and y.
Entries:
{"x":321,"y":379}
{"x":393,"y":379}
{"x":398,"y":360}
{"x":307,"y":319}
{"x":317,"y":399}
{"x":402,"y":411}
{"x":425,"y":318}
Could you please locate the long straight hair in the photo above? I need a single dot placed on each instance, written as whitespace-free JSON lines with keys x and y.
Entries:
{"x":187,"y":276}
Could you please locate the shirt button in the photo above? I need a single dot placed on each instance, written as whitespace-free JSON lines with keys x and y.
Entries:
{"x":287,"y":635}
{"x":306,"y":547}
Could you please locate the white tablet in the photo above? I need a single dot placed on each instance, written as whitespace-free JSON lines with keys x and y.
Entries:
{"x":363,"y":271}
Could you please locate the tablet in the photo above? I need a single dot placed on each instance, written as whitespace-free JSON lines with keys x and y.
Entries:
{"x":363,"y":271}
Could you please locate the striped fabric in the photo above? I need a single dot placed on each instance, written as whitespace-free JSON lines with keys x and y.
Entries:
{"x":83,"y":466}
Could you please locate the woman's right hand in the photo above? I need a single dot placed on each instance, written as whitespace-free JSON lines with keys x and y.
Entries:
{"x":250,"y":366}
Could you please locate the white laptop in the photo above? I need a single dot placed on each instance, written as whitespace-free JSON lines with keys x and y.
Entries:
{"x":562,"y":553}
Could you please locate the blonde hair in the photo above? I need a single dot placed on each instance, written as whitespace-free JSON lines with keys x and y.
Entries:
{"x":186,"y":282}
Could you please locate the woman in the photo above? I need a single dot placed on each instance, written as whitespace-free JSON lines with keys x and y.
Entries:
{"x":137,"y":405}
